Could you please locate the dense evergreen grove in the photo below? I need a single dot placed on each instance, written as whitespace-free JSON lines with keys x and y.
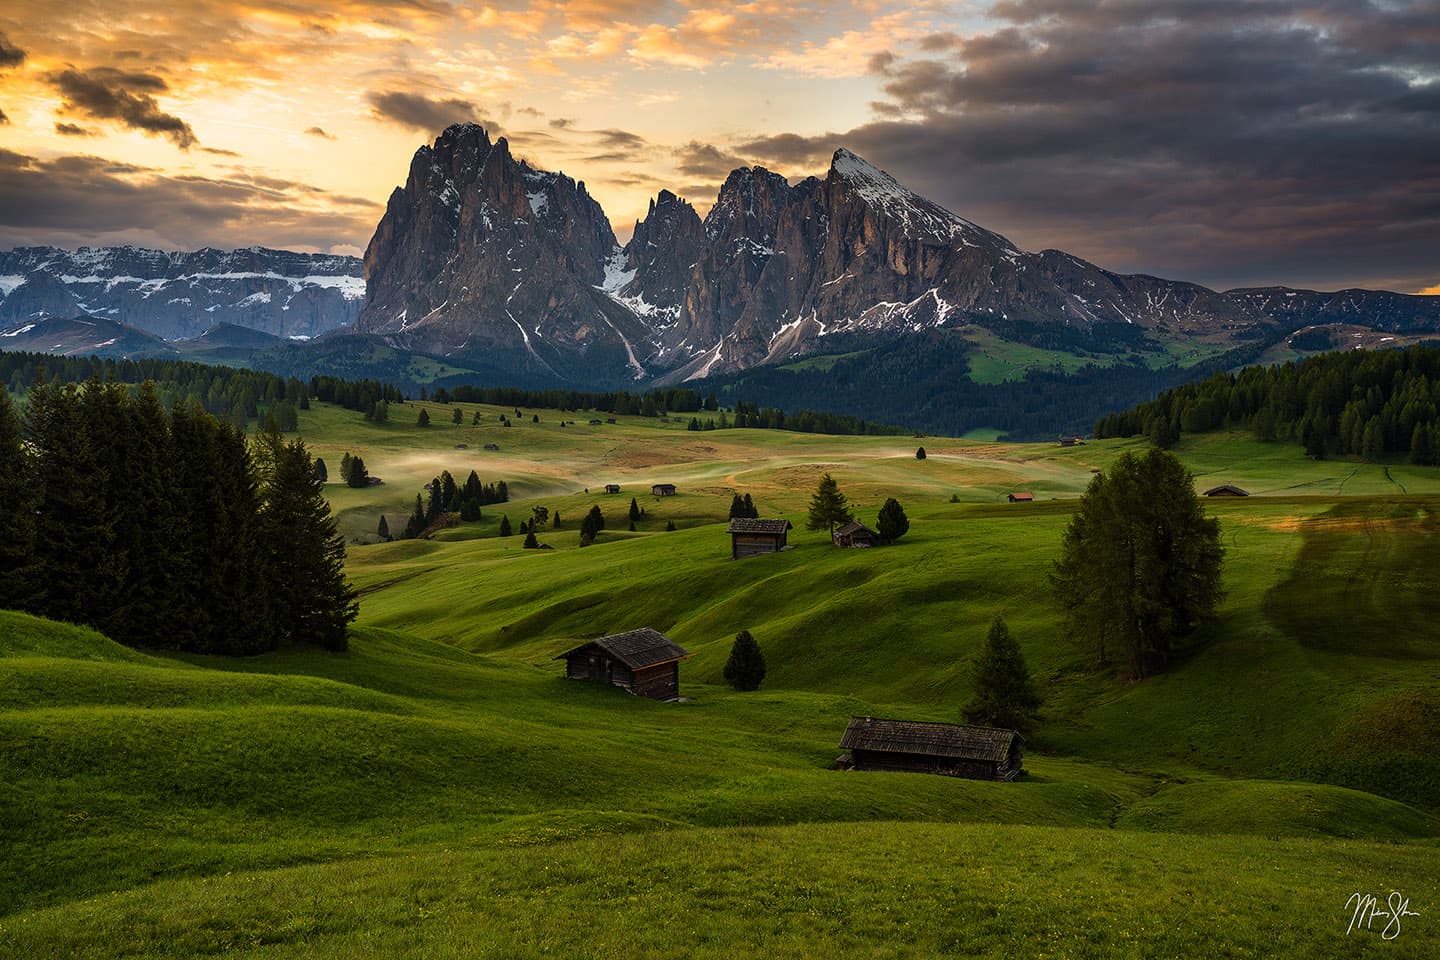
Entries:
{"x":232,"y":394}
{"x":444,"y":496}
{"x":1364,"y":403}
{"x":166,"y":529}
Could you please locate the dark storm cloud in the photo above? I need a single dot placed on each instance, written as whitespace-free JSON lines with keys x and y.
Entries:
{"x":85,"y":199}
{"x":696,"y":159}
{"x":104,"y":93}
{"x":421,"y":112}
{"x":10,"y":55}
{"x":1227,"y":141}
{"x":319,"y":132}
{"x":73,"y":130}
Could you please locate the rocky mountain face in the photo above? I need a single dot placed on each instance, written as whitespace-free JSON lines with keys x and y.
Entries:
{"x":481,"y":254}
{"x":177,"y":296}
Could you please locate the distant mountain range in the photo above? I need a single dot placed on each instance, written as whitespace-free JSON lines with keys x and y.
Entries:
{"x":181,"y":295}
{"x":480,"y":254}
{"x":841,"y":292}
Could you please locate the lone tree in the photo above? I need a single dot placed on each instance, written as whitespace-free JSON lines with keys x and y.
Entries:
{"x":383,"y":530}
{"x":591,"y":526}
{"x":745,"y":670}
{"x":359,"y":474}
{"x":1140,"y":568}
{"x":634,"y":510}
{"x":920,"y":454}
{"x":530,"y":542}
{"x":457,"y":416}
{"x":321,"y":473}
{"x":505,"y":530}
{"x":424,"y":418}
{"x":827,"y":506}
{"x":892,"y":523}
{"x":1004,"y":693}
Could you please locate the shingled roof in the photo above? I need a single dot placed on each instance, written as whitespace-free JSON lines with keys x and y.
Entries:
{"x":956,"y":740}
{"x":636,"y":648}
{"x":749,"y":525}
{"x":854,"y":527}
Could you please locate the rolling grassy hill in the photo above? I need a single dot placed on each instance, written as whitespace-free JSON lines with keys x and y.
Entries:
{"x":440,"y":790}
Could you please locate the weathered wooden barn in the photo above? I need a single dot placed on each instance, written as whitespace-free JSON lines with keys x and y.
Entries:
{"x":855,"y":534}
{"x":950,"y":749}
{"x":663,"y":489}
{"x":752,"y":537}
{"x":1021,"y":497}
{"x":644,"y":662}
{"x":612,"y":488}
{"x":1226,"y":490}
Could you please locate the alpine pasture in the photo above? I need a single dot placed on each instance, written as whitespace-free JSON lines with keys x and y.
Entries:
{"x":439,"y":789}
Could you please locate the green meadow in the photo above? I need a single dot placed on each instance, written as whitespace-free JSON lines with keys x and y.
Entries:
{"x":439,"y":790}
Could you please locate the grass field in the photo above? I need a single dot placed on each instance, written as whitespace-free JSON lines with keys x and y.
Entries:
{"x":439,"y":790}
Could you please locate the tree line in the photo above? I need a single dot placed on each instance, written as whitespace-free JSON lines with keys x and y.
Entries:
{"x":1371,"y":404}
{"x":165,"y":529}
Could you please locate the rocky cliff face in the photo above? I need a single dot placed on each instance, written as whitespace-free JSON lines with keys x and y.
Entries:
{"x":480,"y":253}
{"x":181,"y":295}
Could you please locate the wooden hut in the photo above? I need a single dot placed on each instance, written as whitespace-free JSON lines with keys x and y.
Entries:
{"x":1226,"y":490}
{"x":492,"y":446}
{"x":1021,"y":497}
{"x":855,"y":534}
{"x":750,"y":537}
{"x":643,"y":662}
{"x":612,"y":488}
{"x":663,"y":489}
{"x":950,"y":749}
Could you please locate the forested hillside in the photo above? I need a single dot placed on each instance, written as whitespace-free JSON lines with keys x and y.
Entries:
{"x":1372,"y":404}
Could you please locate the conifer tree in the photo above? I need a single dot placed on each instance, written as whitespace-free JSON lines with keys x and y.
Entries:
{"x":827,"y":506}
{"x":457,"y":416}
{"x":346,"y":462}
{"x":417,"y":523}
{"x":1004,"y":694}
{"x":892,"y":522}
{"x":634,"y":511}
{"x":555,"y":522}
{"x":920,"y":454}
{"x":530,"y":542}
{"x":737,"y":507}
{"x":305,"y":553}
{"x":359,"y":475}
{"x":383,"y":531}
{"x":505,"y":530}
{"x":17,"y":494}
{"x":424,"y":418}
{"x":745,"y":670}
{"x":321,"y":473}
{"x":749,"y":507}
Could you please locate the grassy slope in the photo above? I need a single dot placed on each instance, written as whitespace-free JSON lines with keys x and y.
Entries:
{"x":414,"y":765}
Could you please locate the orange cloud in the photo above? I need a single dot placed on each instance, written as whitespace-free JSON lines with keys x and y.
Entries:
{"x":1430,"y":291}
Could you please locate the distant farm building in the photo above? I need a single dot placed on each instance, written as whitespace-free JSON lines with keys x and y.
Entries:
{"x":612,"y":488}
{"x":594,"y":423}
{"x":610,"y":420}
{"x":643,"y":662}
{"x":492,"y":446}
{"x":855,"y":534}
{"x":663,"y":489}
{"x":1021,"y":497}
{"x":949,"y":749}
{"x":1226,"y":490}
{"x":750,"y":537}
{"x":462,"y":446}
{"x":1072,"y":441}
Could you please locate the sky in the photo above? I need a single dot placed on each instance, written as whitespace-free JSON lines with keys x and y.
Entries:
{"x":1227,"y":142}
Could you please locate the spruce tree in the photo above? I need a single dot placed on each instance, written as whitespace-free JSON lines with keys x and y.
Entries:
{"x":505,"y":530}
{"x":530,"y":542}
{"x":737,"y":507}
{"x":745,"y":670}
{"x":634,"y":510}
{"x":383,"y":531}
{"x":749,"y":507}
{"x":321,"y":473}
{"x":892,"y":523}
{"x":424,"y":418}
{"x":346,"y":462}
{"x":457,"y":416}
{"x":920,"y":454}
{"x":359,"y":475}
{"x":827,"y":506}
{"x":1005,"y":696}
{"x":305,"y":553}
{"x":17,"y":494}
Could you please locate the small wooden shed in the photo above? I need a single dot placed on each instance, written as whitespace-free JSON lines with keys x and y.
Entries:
{"x":612,"y":488}
{"x":752,"y":537}
{"x":643,"y":662}
{"x":855,"y":534}
{"x":663,"y":489}
{"x":1226,"y":490}
{"x":1021,"y":497}
{"x":492,"y":446}
{"x":950,"y":749}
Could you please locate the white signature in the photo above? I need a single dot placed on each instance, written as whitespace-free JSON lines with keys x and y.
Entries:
{"x":1366,"y":908}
